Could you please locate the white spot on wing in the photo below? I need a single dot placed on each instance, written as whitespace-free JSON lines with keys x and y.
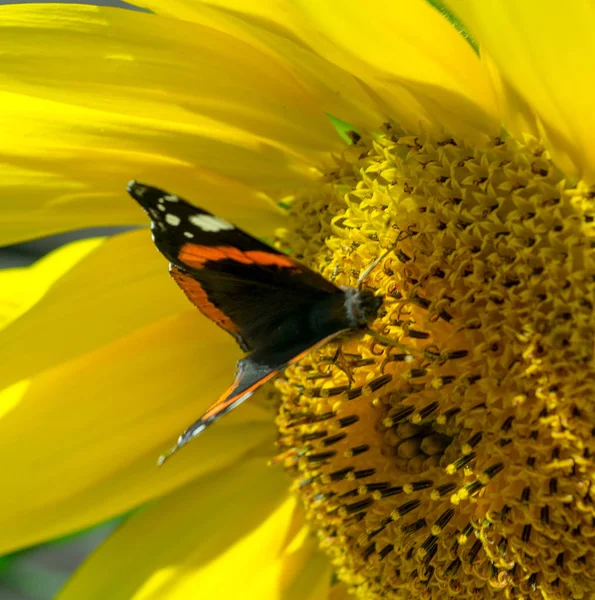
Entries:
{"x":161,"y":207}
{"x":210,"y":223}
{"x":172,"y":219}
{"x":188,"y":234}
{"x":171,"y":198}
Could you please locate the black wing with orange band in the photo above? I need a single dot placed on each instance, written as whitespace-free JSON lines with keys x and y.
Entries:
{"x":242,"y":284}
{"x":259,"y":295}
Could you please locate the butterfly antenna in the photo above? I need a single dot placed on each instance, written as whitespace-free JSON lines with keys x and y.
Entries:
{"x":373,"y":265}
{"x":184,"y":439}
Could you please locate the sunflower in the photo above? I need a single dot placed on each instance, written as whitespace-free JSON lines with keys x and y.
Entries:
{"x":451,"y":455}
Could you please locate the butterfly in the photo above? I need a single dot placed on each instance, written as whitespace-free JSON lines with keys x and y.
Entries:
{"x":276,"y":308}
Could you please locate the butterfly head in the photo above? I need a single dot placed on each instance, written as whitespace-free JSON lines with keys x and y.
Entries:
{"x":362,"y":306}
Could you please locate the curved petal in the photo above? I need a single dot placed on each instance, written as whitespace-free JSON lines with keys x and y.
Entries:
{"x":79,"y":442}
{"x":337,"y":91}
{"x":21,"y":288}
{"x":545,"y":52}
{"x":120,"y":287}
{"x":228,"y":535}
{"x":116,"y":95}
{"x":414,"y":71}
{"x":430,"y":71}
{"x":97,"y":379}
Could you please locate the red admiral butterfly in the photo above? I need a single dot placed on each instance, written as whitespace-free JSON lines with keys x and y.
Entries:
{"x":277,"y":309}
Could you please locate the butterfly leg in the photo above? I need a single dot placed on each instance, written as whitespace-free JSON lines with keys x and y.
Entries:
{"x":335,"y":273}
{"x":343,"y":364}
{"x":388,"y":342}
{"x":339,"y":359}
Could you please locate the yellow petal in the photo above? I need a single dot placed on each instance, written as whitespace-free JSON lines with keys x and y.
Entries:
{"x":228,"y":535}
{"x":21,"y":288}
{"x":416,"y":72}
{"x":337,"y":91}
{"x":306,"y":571}
{"x":388,"y":48}
{"x":92,"y":97}
{"x":339,"y":591}
{"x":545,"y":52}
{"x":97,"y":379}
{"x":120,"y":287}
{"x":79,"y":442}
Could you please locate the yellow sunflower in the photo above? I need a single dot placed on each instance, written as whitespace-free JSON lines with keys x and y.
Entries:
{"x":460,"y":466}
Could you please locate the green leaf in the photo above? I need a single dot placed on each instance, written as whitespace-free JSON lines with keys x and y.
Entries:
{"x":344,"y":129}
{"x":450,"y":17}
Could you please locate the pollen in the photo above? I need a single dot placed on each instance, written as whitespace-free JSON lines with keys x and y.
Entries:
{"x":450,"y":454}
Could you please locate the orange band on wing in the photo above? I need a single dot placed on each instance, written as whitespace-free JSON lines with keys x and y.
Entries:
{"x":231,"y":396}
{"x":196,"y":256}
{"x":226,"y":400}
{"x":260,"y":257}
{"x":198,"y":296}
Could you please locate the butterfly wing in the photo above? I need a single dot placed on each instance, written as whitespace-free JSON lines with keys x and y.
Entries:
{"x":245,"y":286}
{"x":252,"y":372}
{"x":276,"y":308}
